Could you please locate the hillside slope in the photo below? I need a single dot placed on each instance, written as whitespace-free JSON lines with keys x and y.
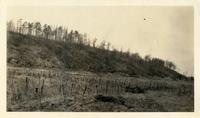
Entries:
{"x":34,"y":52}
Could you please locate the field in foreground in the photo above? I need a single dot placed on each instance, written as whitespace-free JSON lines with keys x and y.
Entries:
{"x":59,"y":90}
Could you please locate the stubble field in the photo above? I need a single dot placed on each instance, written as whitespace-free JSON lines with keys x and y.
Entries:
{"x":59,"y":90}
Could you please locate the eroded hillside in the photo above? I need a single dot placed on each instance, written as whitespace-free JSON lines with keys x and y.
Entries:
{"x":34,"y":52}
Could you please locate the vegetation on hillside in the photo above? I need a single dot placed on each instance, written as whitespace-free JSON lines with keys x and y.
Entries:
{"x":36,"y":46}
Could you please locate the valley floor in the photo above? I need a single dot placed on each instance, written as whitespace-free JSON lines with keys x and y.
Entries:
{"x":78,"y":91}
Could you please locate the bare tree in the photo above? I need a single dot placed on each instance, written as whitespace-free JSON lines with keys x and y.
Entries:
{"x":128,"y":52}
{"x":70,"y":36}
{"x":47,"y":30}
{"x":19,"y":25}
{"x":10,"y":26}
{"x":108,"y":46}
{"x":76,"y":36}
{"x":30,"y":28}
{"x":60,"y":33}
{"x":94,"y":42}
{"x":85,"y":40}
{"x":38,"y":28}
{"x":65,"y":36}
{"x":102,"y":45}
{"x":25,"y":27}
{"x":170,"y":65}
{"x":147,"y":58}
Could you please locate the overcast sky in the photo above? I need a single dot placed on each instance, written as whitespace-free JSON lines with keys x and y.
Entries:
{"x":164,"y":32}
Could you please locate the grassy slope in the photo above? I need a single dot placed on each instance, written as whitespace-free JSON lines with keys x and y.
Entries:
{"x":28,"y":51}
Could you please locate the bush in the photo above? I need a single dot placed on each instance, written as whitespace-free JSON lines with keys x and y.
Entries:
{"x":134,"y":89}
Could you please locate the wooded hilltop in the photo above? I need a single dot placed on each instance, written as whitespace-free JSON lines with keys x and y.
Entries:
{"x":33,"y":45}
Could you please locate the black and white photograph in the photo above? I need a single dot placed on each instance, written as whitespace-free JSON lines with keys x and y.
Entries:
{"x":100,"y":58}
